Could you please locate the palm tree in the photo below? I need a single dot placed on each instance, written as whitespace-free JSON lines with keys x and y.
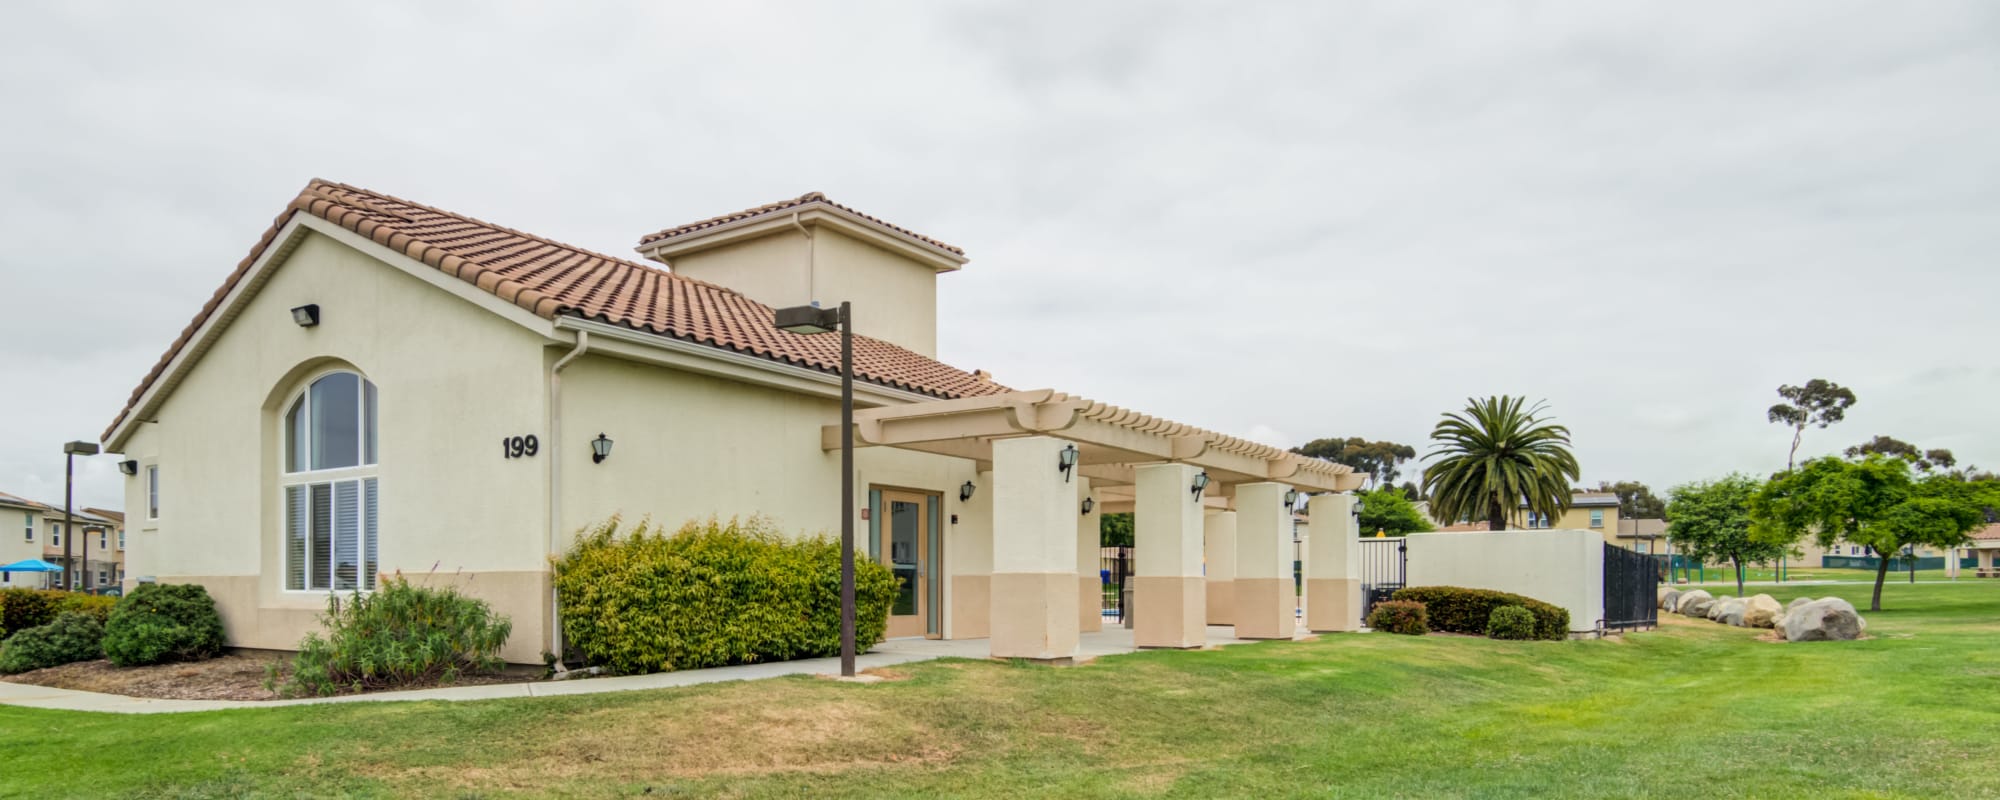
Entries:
{"x":1498,"y":453}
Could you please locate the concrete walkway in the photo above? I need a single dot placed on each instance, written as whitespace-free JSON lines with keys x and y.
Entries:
{"x":1111,"y":641}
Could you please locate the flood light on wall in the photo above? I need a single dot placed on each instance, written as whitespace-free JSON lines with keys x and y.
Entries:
{"x":130,"y":468}
{"x":600,"y":449}
{"x":306,"y":315}
{"x":1066,"y":461}
{"x":1200,"y":484}
{"x":965,"y":492}
{"x":1088,"y":504}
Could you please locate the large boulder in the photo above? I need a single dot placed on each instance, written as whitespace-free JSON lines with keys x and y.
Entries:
{"x":1714,"y":612}
{"x":1828,"y":619}
{"x":1761,"y":611}
{"x":1669,"y":596}
{"x":1685,"y":604}
{"x":1796,"y":602}
{"x":1731,"y":611}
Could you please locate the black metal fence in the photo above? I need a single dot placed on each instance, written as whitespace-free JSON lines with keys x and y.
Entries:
{"x":1114,"y":568}
{"x":1631,"y":598}
{"x":1384,"y":568}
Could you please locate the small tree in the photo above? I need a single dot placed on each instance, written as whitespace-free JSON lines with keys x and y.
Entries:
{"x":1712,"y":523}
{"x":1495,"y":456}
{"x":1387,"y":509}
{"x":1874,"y":502}
{"x":1820,"y":402}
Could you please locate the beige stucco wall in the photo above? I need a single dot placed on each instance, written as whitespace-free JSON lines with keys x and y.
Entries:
{"x":15,"y":546}
{"x":452,"y":381}
{"x":1556,"y":566}
{"x":895,"y":298}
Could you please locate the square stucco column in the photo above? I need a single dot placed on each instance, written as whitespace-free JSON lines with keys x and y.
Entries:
{"x":1090,"y":586}
{"x":1168,"y":589}
{"x":1333,"y":580}
{"x":1218,"y":545}
{"x":1265,"y":597}
{"x":1034,"y":552}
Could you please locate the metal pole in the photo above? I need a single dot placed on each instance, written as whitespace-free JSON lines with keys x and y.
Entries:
{"x":846,"y":491}
{"x":69,"y":522}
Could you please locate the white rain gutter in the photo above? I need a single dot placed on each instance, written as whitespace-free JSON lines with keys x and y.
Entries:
{"x":555,"y":452}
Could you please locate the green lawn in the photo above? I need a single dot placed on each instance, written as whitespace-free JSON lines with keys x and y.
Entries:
{"x":1693,"y":711}
{"x":1802,"y":573}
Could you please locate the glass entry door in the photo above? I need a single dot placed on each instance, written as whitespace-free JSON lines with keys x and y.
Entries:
{"x":906,"y":548}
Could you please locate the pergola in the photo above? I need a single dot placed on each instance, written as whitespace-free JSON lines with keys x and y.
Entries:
{"x":1192,"y":491}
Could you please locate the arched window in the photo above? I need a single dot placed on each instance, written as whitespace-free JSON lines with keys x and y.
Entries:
{"x":329,"y":485}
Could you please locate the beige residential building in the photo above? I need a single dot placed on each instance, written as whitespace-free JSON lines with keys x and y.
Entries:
{"x":383,"y":387}
{"x":97,"y":547}
{"x":21,"y":536}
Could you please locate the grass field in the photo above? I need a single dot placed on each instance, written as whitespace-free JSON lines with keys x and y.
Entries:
{"x":1693,"y":710}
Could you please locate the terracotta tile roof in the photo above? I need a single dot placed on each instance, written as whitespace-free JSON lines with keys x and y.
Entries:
{"x":800,"y":203}
{"x":553,"y":279}
{"x":1991,"y":531}
{"x":16,"y":500}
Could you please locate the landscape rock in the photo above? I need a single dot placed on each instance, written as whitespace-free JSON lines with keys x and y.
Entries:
{"x":1669,"y":597}
{"x":1686,"y":602}
{"x":1731,"y":611}
{"x":1796,"y":602}
{"x":1828,"y":619}
{"x":1714,"y":612}
{"x":1762,"y":611}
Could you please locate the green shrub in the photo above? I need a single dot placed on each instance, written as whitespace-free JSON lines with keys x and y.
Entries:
{"x":711,"y":594}
{"x":1399,"y":616}
{"x":1461,"y":610}
{"x":97,"y":607}
{"x":71,"y":637}
{"x":398,"y":635}
{"x":1511,"y":622}
{"x":161,"y":622}
{"x":21,"y":609}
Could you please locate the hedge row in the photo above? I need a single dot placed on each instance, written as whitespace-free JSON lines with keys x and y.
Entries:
{"x":711,"y":594}
{"x":155,"y":623}
{"x":21,"y":609}
{"x":1459,"y":610}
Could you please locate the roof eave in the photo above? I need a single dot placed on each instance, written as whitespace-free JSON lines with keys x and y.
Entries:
{"x":809,"y":214}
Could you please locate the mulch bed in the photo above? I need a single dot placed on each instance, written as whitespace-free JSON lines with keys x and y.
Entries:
{"x":234,"y":676}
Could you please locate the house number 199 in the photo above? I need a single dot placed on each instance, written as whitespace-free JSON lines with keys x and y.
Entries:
{"x":519,"y":446}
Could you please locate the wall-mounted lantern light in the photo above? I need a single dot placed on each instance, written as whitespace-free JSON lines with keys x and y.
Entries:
{"x":1088,"y":504}
{"x":965,"y":492}
{"x":1356,"y":509}
{"x":1066,"y":461}
{"x":1200,"y":484}
{"x":600,"y":449}
{"x":1291,"y":498}
{"x":306,"y":315}
{"x":130,"y":468}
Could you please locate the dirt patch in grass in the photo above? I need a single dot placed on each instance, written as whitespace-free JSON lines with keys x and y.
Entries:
{"x":237,"y":675}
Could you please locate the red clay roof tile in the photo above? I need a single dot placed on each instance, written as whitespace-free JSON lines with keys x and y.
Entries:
{"x":797,"y":203}
{"x":552,"y":279}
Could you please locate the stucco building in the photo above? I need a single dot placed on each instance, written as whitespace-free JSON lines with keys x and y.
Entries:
{"x":382,"y":386}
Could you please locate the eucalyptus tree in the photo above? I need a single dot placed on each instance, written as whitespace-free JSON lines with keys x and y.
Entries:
{"x":1495,"y":455}
{"x":1820,"y":402}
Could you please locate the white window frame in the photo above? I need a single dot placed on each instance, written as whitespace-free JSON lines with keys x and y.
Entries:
{"x":56,"y":531}
{"x":1597,"y":518}
{"x":30,"y":532}
{"x":360,"y":476}
{"x":152,"y":492}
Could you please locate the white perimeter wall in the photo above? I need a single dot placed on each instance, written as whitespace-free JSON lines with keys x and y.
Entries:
{"x":1561,"y":567}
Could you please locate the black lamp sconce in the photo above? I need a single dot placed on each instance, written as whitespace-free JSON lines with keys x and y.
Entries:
{"x":1291,"y":498}
{"x":1066,"y":461}
{"x":600,"y":449}
{"x":306,"y":315}
{"x":1200,"y":484}
{"x":965,"y":491}
{"x":1088,"y":504}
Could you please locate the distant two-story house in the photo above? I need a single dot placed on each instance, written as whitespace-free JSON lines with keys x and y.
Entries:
{"x":20,"y":539}
{"x":97,"y":553}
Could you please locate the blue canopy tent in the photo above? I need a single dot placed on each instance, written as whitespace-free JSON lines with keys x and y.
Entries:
{"x":30,"y":565}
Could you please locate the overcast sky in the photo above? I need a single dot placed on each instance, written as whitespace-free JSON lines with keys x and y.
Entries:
{"x":1283,"y":222}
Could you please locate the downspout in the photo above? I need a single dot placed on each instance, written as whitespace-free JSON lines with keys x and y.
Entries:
{"x":812,"y":270}
{"x":555,"y":489}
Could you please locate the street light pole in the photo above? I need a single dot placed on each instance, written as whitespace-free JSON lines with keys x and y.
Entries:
{"x":70,"y":452}
{"x":810,"y":320}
